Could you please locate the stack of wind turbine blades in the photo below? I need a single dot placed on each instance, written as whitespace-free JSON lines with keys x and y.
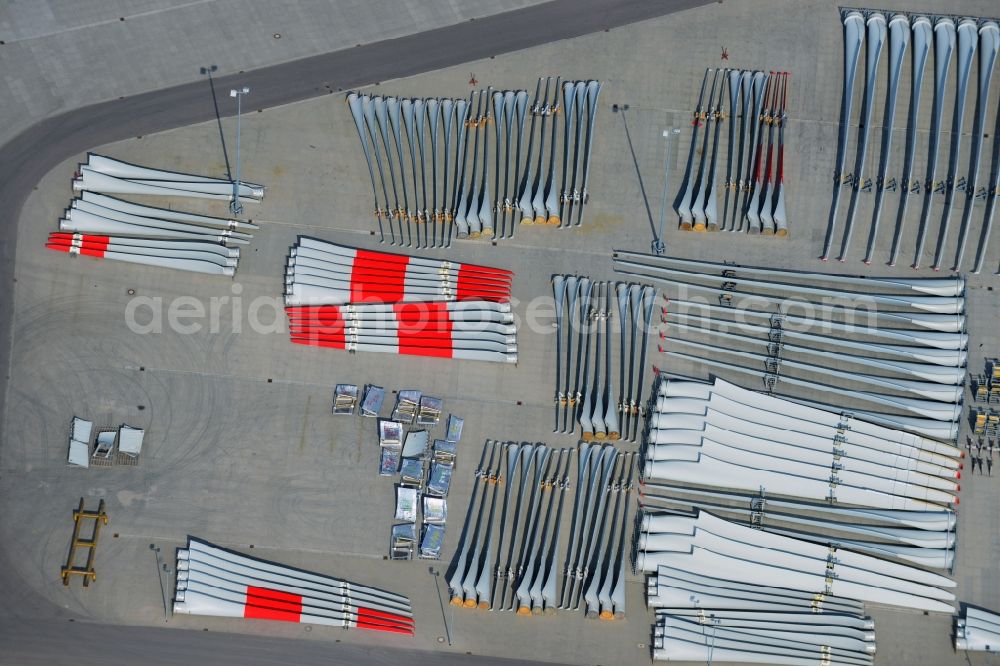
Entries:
{"x":714,"y":463}
{"x":956,"y":42}
{"x":967,"y":39}
{"x":534,"y":195}
{"x":989,"y":46}
{"x":768,"y":182}
{"x":944,"y":348}
{"x":741,"y":99}
{"x":937,"y":525}
{"x":914,"y":378}
{"x":105,"y":227}
{"x":489,"y":315}
{"x":444,"y":188}
{"x":721,"y":435}
{"x":96,"y":213}
{"x":681,"y":592}
{"x":924,"y":538}
{"x":737,"y":408}
{"x":992,"y":190}
{"x":688,"y":204}
{"x":584,"y":378}
{"x":470,"y":571}
{"x":588,"y":113}
{"x":931,"y":353}
{"x":522,"y":520}
{"x":922,"y":42}
{"x":605,"y":594}
{"x":109,"y":176}
{"x":703,"y":544}
{"x":527,"y":596}
{"x":854,"y":37}
{"x":944,"y":48}
{"x":899,"y":40}
{"x":876,"y":36}
{"x":530,"y":184}
{"x":104,"y":205}
{"x":322,"y":273}
{"x":120,"y":169}
{"x":977,"y":630}
{"x":218,"y":582}
{"x":735,"y":78}
{"x":838,"y":625}
{"x":753,"y":214}
{"x":472,"y":330}
{"x":535,"y":462}
{"x":707,"y":208}
{"x":467,"y":189}
{"x":596,"y":468}
{"x":748,"y":211}
{"x":798,"y":638}
{"x":79,"y":219}
{"x":929,"y":548}
{"x":930,"y":372}
{"x":574,"y":96}
{"x":945,"y":293}
{"x":780,"y":215}
{"x":193,"y":256}
{"x":509,"y":558}
{"x":732,"y":408}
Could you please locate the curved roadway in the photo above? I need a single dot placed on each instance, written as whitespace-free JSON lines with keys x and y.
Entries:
{"x":32,"y":631}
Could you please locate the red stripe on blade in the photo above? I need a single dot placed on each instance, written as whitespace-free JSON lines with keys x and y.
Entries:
{"x":368,"y":613}
{"x":471,"y":287}
{"x":318,"y":343}
{"x":378,"y":627}
{"x":266,"y":604}
{"x":438,"y":352}
{"x":423,"y":332}
{"x":391,"y":289}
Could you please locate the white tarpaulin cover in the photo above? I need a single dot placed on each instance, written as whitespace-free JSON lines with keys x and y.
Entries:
{"x":130,"y":440}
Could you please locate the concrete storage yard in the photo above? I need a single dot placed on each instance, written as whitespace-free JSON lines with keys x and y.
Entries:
{"x":241,"y":448}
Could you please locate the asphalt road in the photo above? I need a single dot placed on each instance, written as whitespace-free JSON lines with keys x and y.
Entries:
{"x":35,"y":632}
{"x":53,"y":642}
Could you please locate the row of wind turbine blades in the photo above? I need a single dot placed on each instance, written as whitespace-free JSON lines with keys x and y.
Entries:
{"x":509,"y":555}
{"x":323,"y":273}
{"x":222,"y":583}
{"x":359,"y":300}
{"x":720,"y":434}
{"x":435,"y":155}
{"x":754,"y":184}
{"x":103,"y":227}
{"x":700,"y":544}
{"x":977,"y":629}
{"x":846,"y":335}
{"x":951,"y":40}
{"x":924,"y":538}
{"x":719,"y":616}
{"x":585,"y":393}
{"x":111,"y":176}
{"x":798,"y":637}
